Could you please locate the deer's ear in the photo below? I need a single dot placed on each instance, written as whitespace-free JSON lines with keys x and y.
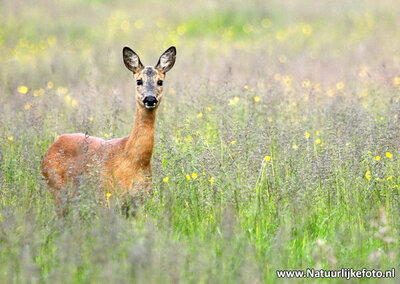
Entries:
{"x":167,"y":60}
{"x":131,"y":60}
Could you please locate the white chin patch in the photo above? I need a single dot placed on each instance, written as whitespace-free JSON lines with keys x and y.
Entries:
{"x":149,"y":107}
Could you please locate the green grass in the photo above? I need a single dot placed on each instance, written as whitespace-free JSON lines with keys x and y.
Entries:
{"x":251,"y":82}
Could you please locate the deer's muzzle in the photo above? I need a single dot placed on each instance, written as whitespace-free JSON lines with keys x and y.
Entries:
{"x":150,"y":102}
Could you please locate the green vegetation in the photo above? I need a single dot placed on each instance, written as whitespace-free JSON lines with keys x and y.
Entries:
{"x":277,"y":140}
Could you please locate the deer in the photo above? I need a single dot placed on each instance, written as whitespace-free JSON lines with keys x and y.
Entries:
{"x":121,"y":165}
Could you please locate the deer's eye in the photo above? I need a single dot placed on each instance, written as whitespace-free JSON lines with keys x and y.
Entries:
{"x":159,"y":82}
{"x":139,"y":82}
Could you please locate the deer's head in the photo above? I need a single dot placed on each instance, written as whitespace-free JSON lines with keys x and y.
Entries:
{"x":149,"y":79}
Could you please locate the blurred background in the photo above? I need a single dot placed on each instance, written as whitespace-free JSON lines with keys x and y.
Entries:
{"x":235,"y":38}
{"x":277,"y":140}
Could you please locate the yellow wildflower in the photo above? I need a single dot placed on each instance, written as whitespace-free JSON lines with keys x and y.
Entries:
{"x":187,"y":176}
{"x":233,"y":142}
{"x":233,"y":101}
{"x":62,"y":90}
{"x":166,"y":179}
{"x":307,"y":30}
{"x":39,"y":92}
{"x":265,"y":23}
{"x":280,"y":35}
{"x":22,"y":89}
{"x":389,"y":177}
{"x":362,"y":73}
{"x":108,"y":195}
{"x":208,"y":108}
{"x":27,"y":106}
{"x":90,"y":118}
{"x":267,"y":158}
{"x":389,"y":155}
{"x":368,"y":175}
{"x":246,"y":87}
{"x":307,"y":135}
{"x":194,"y":176}
{"x":10,"y":138}
{"x":67,"y":98}
{"x":125,"y":25}
{"x":180,"y":30}
{"x":396,"y":81}
{"x":306,"y":83}
{"x":50,"y":85}
{"x":330,"y":93}
{"x":74,"y":103}
{"x":256,"y":99}
{"x":211,"y":180}
{"x":287,"y":81}
{"x":318,"y":141}
{"x":378,"y":158}
{"x":339,"y":85}
{"x":51,"y":40}
{"x":200,"y":115}
{"x":295,"y":147}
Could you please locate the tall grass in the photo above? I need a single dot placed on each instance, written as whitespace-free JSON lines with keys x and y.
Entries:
{"x":277,"y":140}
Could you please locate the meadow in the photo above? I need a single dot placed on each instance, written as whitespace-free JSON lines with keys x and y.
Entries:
{"x":277,"y":141}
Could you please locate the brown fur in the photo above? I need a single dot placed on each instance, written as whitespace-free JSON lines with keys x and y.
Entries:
{"x":122,"y":165}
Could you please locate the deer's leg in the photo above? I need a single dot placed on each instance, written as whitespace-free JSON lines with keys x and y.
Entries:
{"x":55,"y":178}
{"x":58,"y":192}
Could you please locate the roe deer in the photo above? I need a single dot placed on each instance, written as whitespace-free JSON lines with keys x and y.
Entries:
{"x":123,"y":164}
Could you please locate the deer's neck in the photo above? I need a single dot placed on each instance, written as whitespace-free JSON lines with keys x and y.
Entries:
{"x":139,"y":147}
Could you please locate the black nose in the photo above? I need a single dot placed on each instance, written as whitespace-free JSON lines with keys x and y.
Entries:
{"x":150,"y":101}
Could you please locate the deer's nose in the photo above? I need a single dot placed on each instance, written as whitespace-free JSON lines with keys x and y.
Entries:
{"x":150,"y":102}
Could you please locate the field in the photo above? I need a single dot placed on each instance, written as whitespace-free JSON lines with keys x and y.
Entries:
{"x":277,"y":141}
